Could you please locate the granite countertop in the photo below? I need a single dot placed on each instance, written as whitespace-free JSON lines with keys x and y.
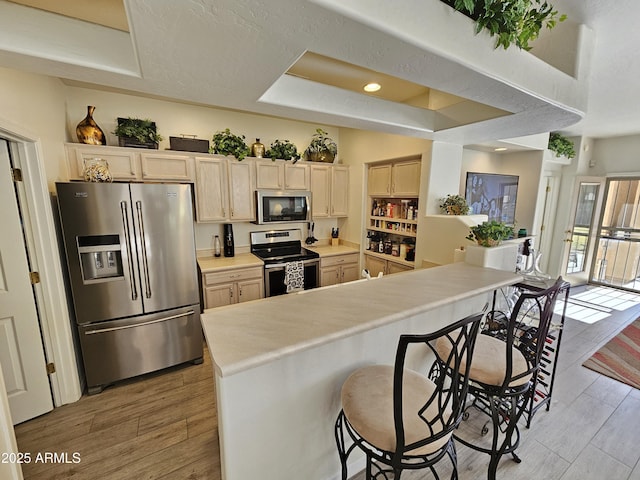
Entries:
{"x":247,"y":335}
{"x":241,"y":260}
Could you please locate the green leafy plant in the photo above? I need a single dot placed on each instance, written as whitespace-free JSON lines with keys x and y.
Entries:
{"x":226,"y":143}
{"x":512,"y":22}
{"x":322,"y":148}
{"x":144,"y":131}
{"x":490,"y":234}
{"x":561,"y":145}
{"x":454,"y":205}
{"x":283,"y":149}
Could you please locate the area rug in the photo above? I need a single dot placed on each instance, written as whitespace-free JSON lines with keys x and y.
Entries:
{"x":620,"y":357}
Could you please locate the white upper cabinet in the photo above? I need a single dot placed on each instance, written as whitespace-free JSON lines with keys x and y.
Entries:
{"x":329,"y":190}
{"x":281,"y":175}
{"x":211,"y":189}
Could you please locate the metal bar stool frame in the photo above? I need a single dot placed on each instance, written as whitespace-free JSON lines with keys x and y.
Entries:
{"x":505,"y":403}
{"x":450,"y":393}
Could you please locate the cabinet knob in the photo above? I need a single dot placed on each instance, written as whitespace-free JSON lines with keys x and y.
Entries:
{"x":230,"y":292}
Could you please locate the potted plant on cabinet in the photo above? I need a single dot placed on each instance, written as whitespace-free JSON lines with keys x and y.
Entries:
{"x":226,"y":143}
{"x":490,"y":234}
{"x":322,"y":148}
{"x":137,"y":132}
{"x":516,"y":22}
{"x":454,"y":205}
{"x":284,"y":150}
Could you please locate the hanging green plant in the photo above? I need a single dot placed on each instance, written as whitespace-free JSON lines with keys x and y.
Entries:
{"x":226,"y":143}
{"x":284,"y":150}
{"x":512,"y":22}
{"x":561,"y":145}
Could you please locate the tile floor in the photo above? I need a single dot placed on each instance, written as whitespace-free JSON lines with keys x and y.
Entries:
{"x":592,"y":431}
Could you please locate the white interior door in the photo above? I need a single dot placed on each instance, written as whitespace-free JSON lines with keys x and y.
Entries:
{"x":21,"y":351}
{"x":580,"y":235}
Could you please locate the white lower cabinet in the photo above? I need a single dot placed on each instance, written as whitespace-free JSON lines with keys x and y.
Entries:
{"x":375,"y":265}
{"x":237,"y":285}
{"x":339,"y":269}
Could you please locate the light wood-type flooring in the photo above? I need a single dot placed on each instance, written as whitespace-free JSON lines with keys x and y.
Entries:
{"x":165,"y":426}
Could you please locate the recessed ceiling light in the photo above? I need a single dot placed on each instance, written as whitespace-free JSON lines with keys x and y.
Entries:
{"x":500,"y":149}
{"x":372,"y":87}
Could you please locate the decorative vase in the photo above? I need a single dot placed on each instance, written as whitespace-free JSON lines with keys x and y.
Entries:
{"x":257,"y":149}
{"x":323,"y":156}
{"x":96,"y":170}
{"x":88,"y":130}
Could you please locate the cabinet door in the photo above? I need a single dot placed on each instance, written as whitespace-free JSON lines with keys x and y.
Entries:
{"x":350,"y":273}
{"x":123,"y":165}
{"x":320,"y":190}
{"x":393,"y":267}
{"x":339,"y":191}
{"x":296,"y":177}
{"x":406,"y":178}
{"x":379,"y":180}
{"x":241,"y":198}
{"x":211,"y":191}
{"x":375,"y":265}
{"x":329,"y":276}
{"x":270,"y":175}
{"x":166,"y":167}
{"x":219,"y":295}
{"x":250,"y":290}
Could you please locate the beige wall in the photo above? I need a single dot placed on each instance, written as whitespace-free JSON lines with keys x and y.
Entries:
{"x":616,"y":156}
{"x":36,"y":104}
{"x":526,"y":165}
{"x":360,"y":147}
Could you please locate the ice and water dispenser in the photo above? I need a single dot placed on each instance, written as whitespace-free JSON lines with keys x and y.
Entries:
{"x":100,"y":258}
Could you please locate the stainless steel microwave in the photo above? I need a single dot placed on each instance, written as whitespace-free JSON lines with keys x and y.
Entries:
{"x":279,"y":206}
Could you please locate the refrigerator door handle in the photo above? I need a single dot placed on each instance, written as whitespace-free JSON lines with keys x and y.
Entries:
{"x":127,"y":240}
{"x":136,"y":325}
{"x":145,"y":260}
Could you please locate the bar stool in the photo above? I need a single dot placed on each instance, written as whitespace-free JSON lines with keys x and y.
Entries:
{"x":400,"y":418}
{"x":505,"y":361}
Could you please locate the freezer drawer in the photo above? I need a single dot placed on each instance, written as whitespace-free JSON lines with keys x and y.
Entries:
{"x":120,"y":349}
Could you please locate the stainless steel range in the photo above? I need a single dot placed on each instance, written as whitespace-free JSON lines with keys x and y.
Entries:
{"x":282,"y":251}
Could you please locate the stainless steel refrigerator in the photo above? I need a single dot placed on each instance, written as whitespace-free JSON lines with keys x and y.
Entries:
{"x":131,"y":255}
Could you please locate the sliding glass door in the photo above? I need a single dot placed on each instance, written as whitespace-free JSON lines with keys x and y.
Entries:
{"x":581,"y":234}
{"x":617,"y":259}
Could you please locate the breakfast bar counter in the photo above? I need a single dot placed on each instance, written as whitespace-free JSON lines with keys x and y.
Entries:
{"x":279,"y":363}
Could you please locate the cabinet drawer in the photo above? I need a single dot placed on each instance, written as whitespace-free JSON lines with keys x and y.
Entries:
{"x":338,"y":260}
{"x":232,"y":275}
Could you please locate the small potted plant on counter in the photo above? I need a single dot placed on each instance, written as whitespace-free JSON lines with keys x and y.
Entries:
{"x":322,"y":148}
{"x":226,"y":143}
{"x":454,"y":205}
{"x":490,"y":234}
{"x":137,"y":132}
{"x":284,"y":150}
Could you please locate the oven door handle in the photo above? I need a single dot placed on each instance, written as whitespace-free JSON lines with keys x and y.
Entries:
{"x":283,"y":264}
